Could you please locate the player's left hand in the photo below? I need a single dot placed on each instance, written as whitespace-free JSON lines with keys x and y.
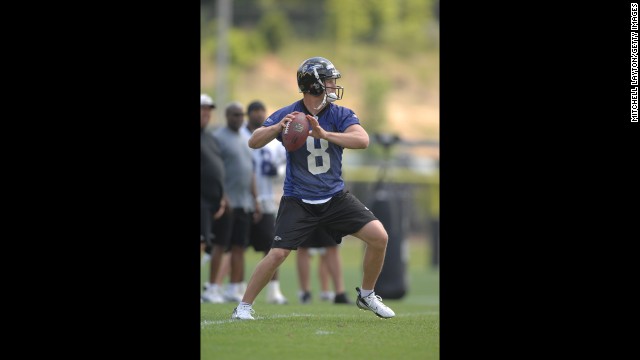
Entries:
{"x":222,"y":209}
{"x":315,"y":130}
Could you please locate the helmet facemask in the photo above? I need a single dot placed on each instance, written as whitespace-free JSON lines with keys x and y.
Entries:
{"x":332,"y":93}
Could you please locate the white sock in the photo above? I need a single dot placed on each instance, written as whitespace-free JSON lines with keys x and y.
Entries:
{"x":242,"y":303}
{"x":213,"y":287}
{"x":232,"y":288}
{"x":274,"y":285}
{"x":274,"y":288}
{"x":365,"y":293}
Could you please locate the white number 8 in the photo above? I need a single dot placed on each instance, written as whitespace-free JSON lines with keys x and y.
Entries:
{"x":322,"y":152}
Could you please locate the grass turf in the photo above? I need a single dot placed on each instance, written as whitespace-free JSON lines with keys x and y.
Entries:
{"x":322,"y":330}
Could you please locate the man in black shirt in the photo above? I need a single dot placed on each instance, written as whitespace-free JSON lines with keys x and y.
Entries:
{"x":211,"y":178}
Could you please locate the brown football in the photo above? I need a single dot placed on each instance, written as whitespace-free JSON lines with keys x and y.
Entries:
{"x":294,"y":136}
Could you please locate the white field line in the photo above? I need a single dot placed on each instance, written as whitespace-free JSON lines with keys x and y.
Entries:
{"x":323,"y":332}
{"x":208,"y":323}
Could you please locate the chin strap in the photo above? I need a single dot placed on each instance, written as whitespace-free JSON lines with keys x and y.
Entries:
{"x":324,"y":102}
{"x":331,"y":97}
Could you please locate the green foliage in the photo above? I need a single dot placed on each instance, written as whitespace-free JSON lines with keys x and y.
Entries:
{"x":275,"y":28}
{"x":382,"y":47}
{"x":348,"y":19}
{"x":208,"y":41}
{"x":375,"y":90}
{"x":403,"y":25}
{"x":383,"y":14}
{"x":245,"y":47}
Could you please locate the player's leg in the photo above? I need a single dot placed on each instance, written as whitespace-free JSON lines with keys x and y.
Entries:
{"x":293,"y":226}
{"x":331,"y":265}
{"x":349,"y":216}
{"x":220,"y":243}
{"x":208,"y":210}
{"x":322,"y":241}
{"x":324,"y":274}
{"x":261,"y":238}
{"x":334,"y":265}
{"x":274,"y":293}
{"x":375,"y":236}
{"x":239,"y":241}
{"x":303,"y":263}
{"x":315,"y":244}
{"x":224,"y":269}
{"x":259,"y":279}
{"x":263,"y":273}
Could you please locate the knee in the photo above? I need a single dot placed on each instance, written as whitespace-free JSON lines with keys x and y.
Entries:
{"x":375,"y":235}
{"x":278,"y":255}
{"x":382,"y":239}
{"x":379,"y":241}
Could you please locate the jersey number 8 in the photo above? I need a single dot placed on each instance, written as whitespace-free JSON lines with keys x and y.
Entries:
{"x":314,"y":168}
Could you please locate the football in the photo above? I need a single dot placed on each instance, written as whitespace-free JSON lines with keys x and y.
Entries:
{"x":294,"y":135}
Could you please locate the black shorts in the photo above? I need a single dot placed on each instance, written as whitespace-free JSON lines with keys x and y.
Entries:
{"x":262,"y":233}
{"x":232,"y":229}
{"x":321,"y":238}
{"x":343,"y":215}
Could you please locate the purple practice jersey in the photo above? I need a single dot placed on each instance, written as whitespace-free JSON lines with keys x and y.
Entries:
{"x":314,"y":171}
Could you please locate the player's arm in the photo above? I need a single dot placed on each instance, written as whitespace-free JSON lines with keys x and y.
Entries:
{"x":354,"y":137}
{"x":262,"y":136}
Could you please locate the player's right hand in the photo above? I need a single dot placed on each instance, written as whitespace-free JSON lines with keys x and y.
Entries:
{"x":287,"y":119}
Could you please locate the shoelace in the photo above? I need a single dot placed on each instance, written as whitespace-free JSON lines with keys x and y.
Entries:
{"x":379,"y":303}
{"x":250,"y":310}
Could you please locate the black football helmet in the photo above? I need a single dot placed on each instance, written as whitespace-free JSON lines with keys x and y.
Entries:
{"x":312,"y":73}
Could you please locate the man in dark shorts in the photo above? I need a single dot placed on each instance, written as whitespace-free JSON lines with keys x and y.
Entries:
{"x":232,"y":229}
{"x":268,"y":164}
{"x":314,"y":193}
{"x":211,"y":181}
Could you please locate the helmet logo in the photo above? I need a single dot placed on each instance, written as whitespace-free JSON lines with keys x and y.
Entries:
{"x":315,"y":72}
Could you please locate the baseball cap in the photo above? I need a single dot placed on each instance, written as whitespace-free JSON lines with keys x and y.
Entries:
{"x":205,"y":100}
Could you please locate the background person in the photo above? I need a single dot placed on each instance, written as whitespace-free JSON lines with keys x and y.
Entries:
{"x":232,"y":229}
{"x":212,"y":175}
{"x":329,"y":266}
{"x":269,"y":163}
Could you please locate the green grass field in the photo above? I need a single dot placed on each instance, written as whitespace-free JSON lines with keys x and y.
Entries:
{"x":323,"y":330}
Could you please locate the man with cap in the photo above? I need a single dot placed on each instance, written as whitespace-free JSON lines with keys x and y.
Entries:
{"x":211,"y":181}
